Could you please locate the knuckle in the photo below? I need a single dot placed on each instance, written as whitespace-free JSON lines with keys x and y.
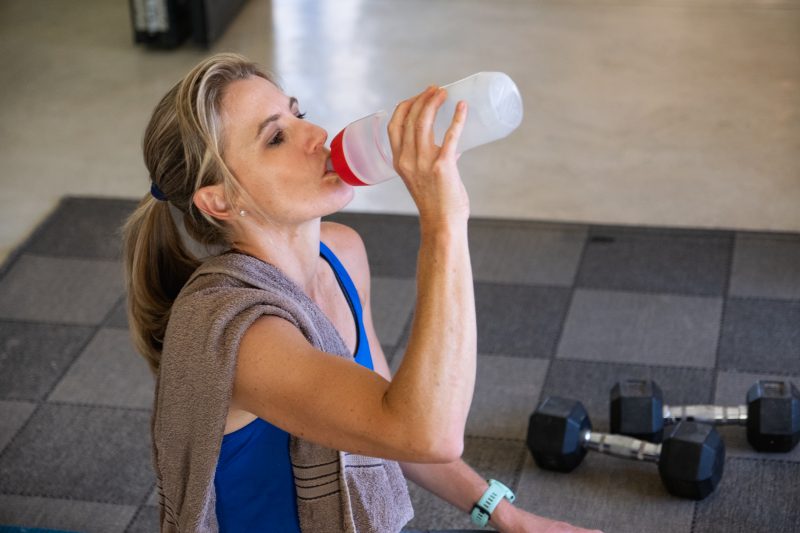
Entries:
{"x":440,"y":166}
{"x":405,"y":164}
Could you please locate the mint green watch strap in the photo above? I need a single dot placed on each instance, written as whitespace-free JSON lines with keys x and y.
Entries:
{"x":483,"y":508}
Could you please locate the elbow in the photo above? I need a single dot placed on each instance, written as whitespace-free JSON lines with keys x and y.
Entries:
{"x":439,"y":447}
{"x":427,"y":437}
{"x":452,"y":450}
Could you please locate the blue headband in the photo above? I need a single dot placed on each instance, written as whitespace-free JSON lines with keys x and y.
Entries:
{"x":156,"y":192}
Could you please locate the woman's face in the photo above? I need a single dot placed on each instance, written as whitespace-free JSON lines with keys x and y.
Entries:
{"x":279,"y":158}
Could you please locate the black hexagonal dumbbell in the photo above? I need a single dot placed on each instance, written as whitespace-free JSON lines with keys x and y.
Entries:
{"x":772,"y":413}
{"x":690,"y":460}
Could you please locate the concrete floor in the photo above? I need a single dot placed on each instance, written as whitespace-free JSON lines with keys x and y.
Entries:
{"x":653,"y":112}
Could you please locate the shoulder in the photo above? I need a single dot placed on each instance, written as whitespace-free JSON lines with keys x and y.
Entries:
{"x":348,"y":246}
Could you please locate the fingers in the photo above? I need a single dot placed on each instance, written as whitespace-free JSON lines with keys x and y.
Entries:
{"x":412,"y":127}
{"x":396,"y":125}
{"x":411,"y":134}
{"x":401,"y":125}
{"x":424,"y":124}
{"x":453,"y":134}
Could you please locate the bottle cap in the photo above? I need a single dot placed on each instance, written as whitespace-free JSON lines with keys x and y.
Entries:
{"x":340,"y":162}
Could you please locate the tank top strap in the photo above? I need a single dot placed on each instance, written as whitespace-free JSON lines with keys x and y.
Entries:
{"x":362,"y":353}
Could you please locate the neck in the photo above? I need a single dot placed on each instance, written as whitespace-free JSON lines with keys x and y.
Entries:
{"x":294,"y":250}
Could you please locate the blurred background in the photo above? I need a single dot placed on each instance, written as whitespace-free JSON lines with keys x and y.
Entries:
{"x":682,"y":113}
{"x":656,"y":113}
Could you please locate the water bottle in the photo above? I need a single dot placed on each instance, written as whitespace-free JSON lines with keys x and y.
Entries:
{"x":362,"y":155}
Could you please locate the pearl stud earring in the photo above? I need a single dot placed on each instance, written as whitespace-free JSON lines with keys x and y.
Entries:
{"x":242,"y":213}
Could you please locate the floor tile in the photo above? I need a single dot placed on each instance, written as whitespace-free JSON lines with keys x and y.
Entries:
{"x":656,"y":261}
{"x":507,"y":252}
{"x":606,"y":493}
{"x":392,"y":242}
{"x":519,"y":320}
{"x":491,"y":458}
{"x":732,"y":389}
{"x":397,"y":357}
{"x":152,"y":500}
{"x":388,"y":352}
{"x":766,"y":266}
{"x":34,"y":356}
{"x":146,"y":521}
{"x":70,"y":291}
{"x":83,"y":227}
{"x":591,"y":383}
{"x":505,"y":390}
{"x":13,"y":416}
{"x":68,"y":451}
{"x":108,"y":372}
{"x":657,"y":329}
{"x":64,"y":514}
{"x":118,"y":317}
{"x":760,"y":336}
{"x":392,"y":305}
{"x":754,"y":495}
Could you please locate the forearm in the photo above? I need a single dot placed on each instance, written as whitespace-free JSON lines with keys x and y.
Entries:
{"x":435,"y":381}
{"x":459,"y":485}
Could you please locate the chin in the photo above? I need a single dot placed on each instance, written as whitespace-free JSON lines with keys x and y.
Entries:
{"x":346,"y":191}
{"x":339,"y":195}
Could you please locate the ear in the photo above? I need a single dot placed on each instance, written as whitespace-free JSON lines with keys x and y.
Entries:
{"x":211,"y":201}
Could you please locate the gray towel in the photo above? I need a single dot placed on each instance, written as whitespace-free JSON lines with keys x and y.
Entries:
{"x":217,"y":305}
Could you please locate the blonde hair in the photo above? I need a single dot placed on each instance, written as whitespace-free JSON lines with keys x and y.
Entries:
{"x":183,"y":152}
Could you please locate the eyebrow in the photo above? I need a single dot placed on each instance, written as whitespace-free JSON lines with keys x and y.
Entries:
{"x":272,"y":118}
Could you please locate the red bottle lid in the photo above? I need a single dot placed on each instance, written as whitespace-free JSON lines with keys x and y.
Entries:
{"x":339,"y":162}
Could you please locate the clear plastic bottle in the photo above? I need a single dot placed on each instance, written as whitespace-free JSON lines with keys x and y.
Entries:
{"x":361,"y":153}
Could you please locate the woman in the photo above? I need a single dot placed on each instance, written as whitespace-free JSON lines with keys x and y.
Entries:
{"x":271,"y":343}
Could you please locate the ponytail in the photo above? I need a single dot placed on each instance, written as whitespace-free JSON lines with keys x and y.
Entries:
{"x":183,"y":153}
{"x":157,"y":267}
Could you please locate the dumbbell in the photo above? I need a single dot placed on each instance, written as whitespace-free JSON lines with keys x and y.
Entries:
{"x":690,"y":460}
{"x":772,"y":413}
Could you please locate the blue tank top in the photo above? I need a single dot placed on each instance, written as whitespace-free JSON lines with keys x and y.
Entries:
{"x":254,"y":481}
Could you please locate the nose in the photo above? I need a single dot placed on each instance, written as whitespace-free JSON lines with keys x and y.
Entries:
{"x":317,"y":137}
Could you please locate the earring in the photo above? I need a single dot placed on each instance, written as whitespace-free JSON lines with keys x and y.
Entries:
{"x":242,"y":213}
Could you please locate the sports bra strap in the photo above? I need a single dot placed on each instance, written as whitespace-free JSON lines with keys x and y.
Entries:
{"x":362,"y":353}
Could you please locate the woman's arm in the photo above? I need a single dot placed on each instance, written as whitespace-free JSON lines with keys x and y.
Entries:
{"x":461,"y":486}
{"x":455,"y":482}
{"x":420,"y":415}
{"x":440,"y":360}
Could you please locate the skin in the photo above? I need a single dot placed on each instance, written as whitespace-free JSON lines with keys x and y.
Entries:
{"x":418,"y":416}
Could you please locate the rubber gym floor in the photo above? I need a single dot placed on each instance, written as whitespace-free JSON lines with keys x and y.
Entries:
{"x":562,"y":309}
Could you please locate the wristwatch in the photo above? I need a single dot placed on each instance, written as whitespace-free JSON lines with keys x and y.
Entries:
{"x":483,"y":508}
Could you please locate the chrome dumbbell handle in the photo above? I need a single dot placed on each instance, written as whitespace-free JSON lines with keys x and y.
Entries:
{"x":710,"y":414}
{"x":622,"y":446}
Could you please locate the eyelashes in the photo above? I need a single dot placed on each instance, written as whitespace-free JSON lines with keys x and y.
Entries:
{"x":277,"y":139}
{"x":279,"y":136}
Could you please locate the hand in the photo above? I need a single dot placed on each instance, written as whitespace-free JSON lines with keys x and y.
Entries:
{"x":525,"y":522}
{"x":429,"y":172}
